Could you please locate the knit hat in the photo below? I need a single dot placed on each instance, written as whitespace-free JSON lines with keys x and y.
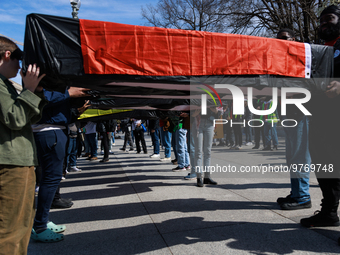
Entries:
{"x":331,"y":9}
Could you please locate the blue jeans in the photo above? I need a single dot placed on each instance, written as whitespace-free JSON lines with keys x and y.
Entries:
{"x":182,"y":149}
{"x":113,"y":137}
{"x":71,"y":159}
{"x":166,"y":142}
{"x":92,"y":140}
{"x":204,"y":144}
{"x":174,"y":143}
{"x":51,"y":148}
{"x":270,"y":134}
{"x":297,"y":152}
{"x":155,"y":141}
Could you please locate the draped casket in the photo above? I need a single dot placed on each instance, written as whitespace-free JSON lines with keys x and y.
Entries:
{"x":119,"y":60}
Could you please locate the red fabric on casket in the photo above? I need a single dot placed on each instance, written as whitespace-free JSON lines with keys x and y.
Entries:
{"x":112,"y":48}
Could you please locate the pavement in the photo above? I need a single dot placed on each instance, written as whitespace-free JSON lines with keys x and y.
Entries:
{"x":135,"y":204}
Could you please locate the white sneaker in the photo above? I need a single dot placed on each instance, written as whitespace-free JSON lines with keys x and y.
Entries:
{"x":249,"y":144}
{"x":74,"y":169}
{"x":155,"y":156}
{"x":102,"y":152}
{"x":165,"y":159}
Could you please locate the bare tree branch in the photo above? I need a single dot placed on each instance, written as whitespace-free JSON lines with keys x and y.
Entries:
{"x":252,"y":17}
{"x":202,"y":15}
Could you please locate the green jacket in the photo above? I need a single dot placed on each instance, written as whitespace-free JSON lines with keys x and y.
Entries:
{"x":17,"y":113}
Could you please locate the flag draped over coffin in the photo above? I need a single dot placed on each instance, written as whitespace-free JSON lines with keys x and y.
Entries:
{"x":136,"y":61}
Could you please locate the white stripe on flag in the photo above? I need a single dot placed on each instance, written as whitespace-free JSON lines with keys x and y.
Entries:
{"x":308,"y":65}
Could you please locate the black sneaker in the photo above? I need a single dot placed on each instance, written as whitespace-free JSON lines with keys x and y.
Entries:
{"x":179,"y":169}
{"x":292,"y":204}
{"x":67,"y":200}
{"x":321,"y":219}
{"x":200,"y":182}
{"x":122,"y":149}
{"x":209,"y":181}
{"x":131,"y":149}
{"x":268,"y":148}
{"x":281,"y":200}
{"x":61,"y":203}
{"x":174,"y":161}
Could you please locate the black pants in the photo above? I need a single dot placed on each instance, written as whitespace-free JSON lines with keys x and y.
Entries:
{"x":258,"y":132}
{"x":229,"y":134}
{"x":238,"y":134}
{"x":128,"y":138}
{"x":325,"y":150}
{"x":139,"y":137}
{"x":105,"y":143}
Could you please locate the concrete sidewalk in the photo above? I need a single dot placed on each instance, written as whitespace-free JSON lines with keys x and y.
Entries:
{"x":136,"y":205}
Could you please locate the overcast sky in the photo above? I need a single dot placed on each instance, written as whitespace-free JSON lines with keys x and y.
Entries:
{"x":13,"y":13}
